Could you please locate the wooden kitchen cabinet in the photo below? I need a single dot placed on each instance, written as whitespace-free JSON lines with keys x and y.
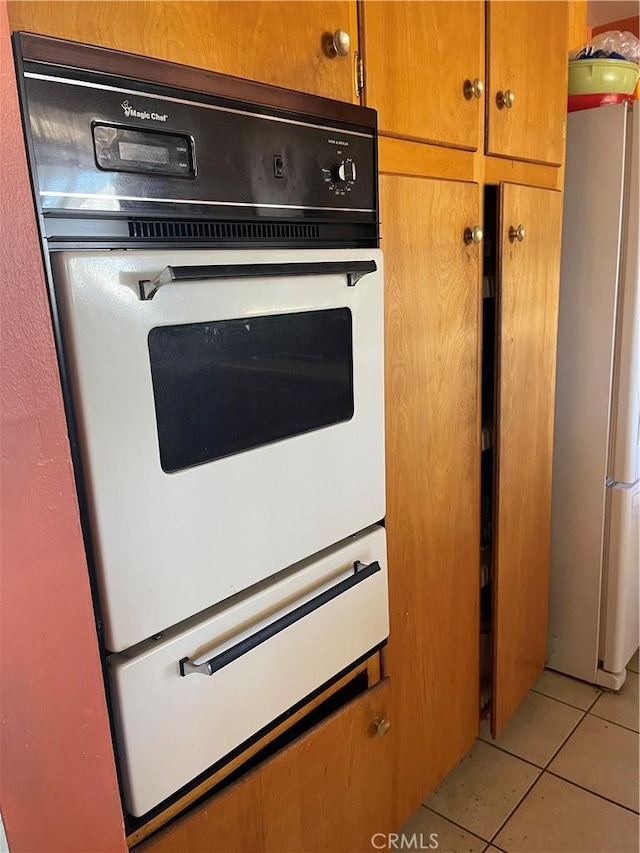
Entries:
{"x":280,"y":43}
{"x":329,"y":790}
{"x":527,"y":79}
{"x":418,"y":56}
{"x":432,"y":295}
{"x":527,"y":315}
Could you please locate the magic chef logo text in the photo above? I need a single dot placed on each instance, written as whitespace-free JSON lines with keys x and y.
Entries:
{"x":132,"y":112}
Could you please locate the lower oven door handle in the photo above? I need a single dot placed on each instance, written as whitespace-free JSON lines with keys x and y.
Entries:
{"x":354,"y":270}
{"x":208,"y":667}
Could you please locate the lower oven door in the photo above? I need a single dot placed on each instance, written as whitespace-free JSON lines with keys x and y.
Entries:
{"x":230,"y":409}
{"x":185,"y":700}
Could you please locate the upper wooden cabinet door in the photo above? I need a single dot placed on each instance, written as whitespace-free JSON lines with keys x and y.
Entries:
{"x":529,"y":274}
{"x":279,"y":43}
{"x":527,"y":68}
{"x":417,"y":58}
{"x":432,"y":296}
{"x":329,"y":790}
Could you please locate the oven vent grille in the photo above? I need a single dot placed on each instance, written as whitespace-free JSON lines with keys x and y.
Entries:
{"x":213,"y":230}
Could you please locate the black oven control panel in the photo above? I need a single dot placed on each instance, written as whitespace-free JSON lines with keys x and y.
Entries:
{"x":128,"y":149}
{"x":113,"y":158}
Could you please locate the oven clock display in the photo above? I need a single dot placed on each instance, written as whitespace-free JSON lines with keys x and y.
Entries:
{"x":151,"y":152}
{"x":140,"y":152}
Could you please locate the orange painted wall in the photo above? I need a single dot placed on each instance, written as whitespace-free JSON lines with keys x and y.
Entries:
{"x":58,"y":789}
{"x":631,"y":25}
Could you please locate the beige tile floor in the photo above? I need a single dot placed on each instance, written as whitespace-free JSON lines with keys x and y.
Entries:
{"x":561,"y":778}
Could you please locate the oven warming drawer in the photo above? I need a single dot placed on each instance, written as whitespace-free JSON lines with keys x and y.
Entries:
{"x":186,"y":699}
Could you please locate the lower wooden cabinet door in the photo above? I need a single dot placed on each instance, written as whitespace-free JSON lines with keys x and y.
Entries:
{"x":432,"y":302}
{"x":529,"y":234}
{"x":327,"y":791}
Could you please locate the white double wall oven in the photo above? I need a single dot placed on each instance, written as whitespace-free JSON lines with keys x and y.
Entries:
{"x":217,"y":291}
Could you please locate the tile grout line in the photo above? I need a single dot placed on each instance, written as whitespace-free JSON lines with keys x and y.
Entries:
{"x":458,"y":825}
{"x":562,"y":744}
{"x":562,"y":779}
{"x":541,"y":769}
{"x":584,"y":712}
{"x":518,"y":804}
{"x":589,"y":791}
{"x":513,"y":754}
{"x":613,"y":723}
{"x":553,"y":755}
{"x":545,"y":768}
{"x":562,"y":702}
{"x":600,"y":694}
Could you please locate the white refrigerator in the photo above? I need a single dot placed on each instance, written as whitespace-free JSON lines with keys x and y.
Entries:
{"x":595,"y":540}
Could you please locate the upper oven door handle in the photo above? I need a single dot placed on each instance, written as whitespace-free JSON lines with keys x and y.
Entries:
{"x":353,"y":270}
{"x":208,"y":667}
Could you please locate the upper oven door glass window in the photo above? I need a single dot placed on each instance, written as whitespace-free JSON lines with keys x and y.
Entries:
{"x":229,"y":386}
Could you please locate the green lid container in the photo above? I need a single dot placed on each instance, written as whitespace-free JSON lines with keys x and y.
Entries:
{"x":602,"y":76}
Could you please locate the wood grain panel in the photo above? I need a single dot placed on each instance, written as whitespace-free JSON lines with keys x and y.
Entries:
{"x":417,"y":57}
{"x":432,"y":298}
{"x":577,"y":33}
{"x":528,"y":319}
{"x":403,"y":157}
{"x":498,"y":169}
{"x":327,"y":791}
{"x":527,"y":53}
{"x":279,"y":43}
{"x":372,"y":667}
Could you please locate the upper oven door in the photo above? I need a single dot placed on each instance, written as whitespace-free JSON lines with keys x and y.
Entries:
{"x":230,"y":413}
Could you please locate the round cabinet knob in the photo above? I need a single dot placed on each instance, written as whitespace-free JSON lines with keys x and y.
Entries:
{"x":473,"y":235}
{"x":341,"y":43}
{"x":505,"y":99}
{"x":346,"y":172}
{"x":382,"y":727}
{"x":517,"y":233}
{"x":473,"y":88}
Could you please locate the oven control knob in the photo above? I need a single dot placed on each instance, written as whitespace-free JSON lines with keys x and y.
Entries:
{"x":346,"y":172}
